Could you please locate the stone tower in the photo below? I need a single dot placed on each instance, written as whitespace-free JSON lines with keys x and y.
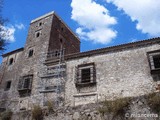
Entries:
{"x":48,"y":32}
{"x":47,"y":35}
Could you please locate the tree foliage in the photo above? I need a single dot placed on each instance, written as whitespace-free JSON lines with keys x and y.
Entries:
{"x":3,"y":42}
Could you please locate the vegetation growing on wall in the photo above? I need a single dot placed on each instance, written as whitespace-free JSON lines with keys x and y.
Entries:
{"x":37,"y":113}
{"x":50,"y":106}
{"x":6,"y":115}
{"x":116,"y":107}
{"x":153,"y":100}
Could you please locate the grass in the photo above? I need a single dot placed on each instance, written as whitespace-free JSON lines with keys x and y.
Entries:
{"x":153,"y":101}
{"x":116,"y":107}
{"x":6,"y":115}
{"x":37,"y":113}
{"x":50,"y":106}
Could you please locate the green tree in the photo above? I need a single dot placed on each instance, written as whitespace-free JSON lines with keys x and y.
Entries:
{"x":3,"y":32}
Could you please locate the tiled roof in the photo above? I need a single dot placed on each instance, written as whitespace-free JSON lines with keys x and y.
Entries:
{"x":108,"y":49}
{"x":14,"y":51}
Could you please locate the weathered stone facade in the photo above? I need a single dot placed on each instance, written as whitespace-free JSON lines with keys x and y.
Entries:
{"x":51,"y":68}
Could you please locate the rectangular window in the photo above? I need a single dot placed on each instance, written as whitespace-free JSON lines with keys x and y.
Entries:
{"x":25,"y":82}
{"x":24,"y":85}
{"x":154,"y":61}
{"x":38,"y":33}
{"x":30,"y":54}
{"x":85,"y":74}
{"x":8,"y":85}
{"x":11,"y":60}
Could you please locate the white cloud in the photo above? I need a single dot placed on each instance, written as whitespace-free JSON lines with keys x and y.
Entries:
{"x":20,"y":26}
{"x":145,"y":12}
{"x":7,"y":33}
{"x":94,"y":20}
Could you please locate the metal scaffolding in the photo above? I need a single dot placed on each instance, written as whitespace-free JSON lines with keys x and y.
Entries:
{"x":54,"y":73}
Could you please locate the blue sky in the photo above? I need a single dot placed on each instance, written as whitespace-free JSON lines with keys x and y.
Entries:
{"x":98,"y":23}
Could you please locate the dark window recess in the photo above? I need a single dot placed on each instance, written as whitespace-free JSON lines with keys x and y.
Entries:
{"x":37,"y":34}
{"x":61,"y":40}
{"x":156,"y":60}
{"x":30,"y":54}
{"x":11,"y":61}
{"x":62,"y":29}
{"x":8,"y":85}
{"x":40,"y":23}
{"x":85,"y":74}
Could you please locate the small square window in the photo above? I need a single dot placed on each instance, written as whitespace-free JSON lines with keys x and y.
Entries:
{"x":37,"y":34}
{"x":11,"y":60}
{"x":40,"y":23}
{"x":57,"y":53}
{"x":8,"y":85}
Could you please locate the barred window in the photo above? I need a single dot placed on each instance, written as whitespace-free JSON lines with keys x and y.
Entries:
{"x":24,"y":85}
{"x":85,"y":74}
{"x":154,"y":60}
{"x":25,"y":82}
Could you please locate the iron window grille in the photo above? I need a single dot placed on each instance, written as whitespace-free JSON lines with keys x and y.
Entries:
{"x":154,"y":61}
{"x":24,"y":85}
{"x":85,"y":74}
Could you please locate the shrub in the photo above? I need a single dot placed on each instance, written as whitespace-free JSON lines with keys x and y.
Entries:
{"x":50,"y":106}
{"x":154,"y":101}
{"x":116,"y":107}
{"x":6,"y":115}
{"x":37,"y":113}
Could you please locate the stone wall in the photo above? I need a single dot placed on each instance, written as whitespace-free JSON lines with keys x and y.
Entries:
{"x":118,"y":74}
{"x":137,"y":109}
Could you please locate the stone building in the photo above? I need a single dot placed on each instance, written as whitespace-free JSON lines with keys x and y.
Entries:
{"x":50,"y":67}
